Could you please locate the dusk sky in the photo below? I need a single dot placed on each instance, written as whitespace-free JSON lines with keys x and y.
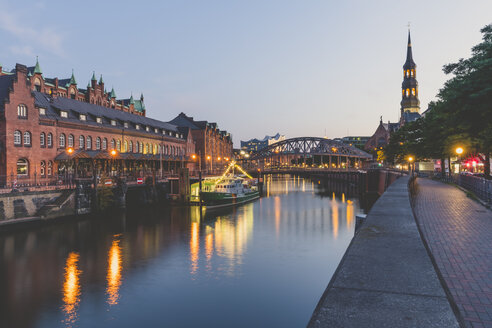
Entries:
{"x":254,"y":67}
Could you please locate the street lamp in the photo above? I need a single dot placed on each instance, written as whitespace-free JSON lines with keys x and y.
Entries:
{"x":113,"y":154}
{"x":459,"y":151}
{"x":410,"y":168}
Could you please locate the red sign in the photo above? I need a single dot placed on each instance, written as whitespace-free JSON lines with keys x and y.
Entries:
{"x":108,"y":182}
{"x":139,"y":180}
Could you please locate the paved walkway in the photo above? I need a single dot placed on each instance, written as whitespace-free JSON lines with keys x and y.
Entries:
{"x":458,"y":232}
{"x":386,"y":278}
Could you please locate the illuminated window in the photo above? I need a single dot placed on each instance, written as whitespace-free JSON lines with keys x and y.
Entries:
{"x":70,"y":140}
{"x":99,"y":120}
{"x":113,"y":144}
{"x":137,"y":126}
{"x":42,"y":169}
{"x":83,"y":117}
{"x":118,"y":145}
{"x":147,"y":129}
{"x":22,"y":167}
{"x":17,"y":138}
{"x":98,"y":143}
{"x":105,"y":144}
{"x":113,"y":122}
{"x":413,"y":91}
{"x":81,"y":142}
{"x":408,"y":92}
{"x":63,"y":114}
{"x":42,"y":111}
{"x":125,"y":125}
{"x":50,"y":168}
{"x":130,"y":146}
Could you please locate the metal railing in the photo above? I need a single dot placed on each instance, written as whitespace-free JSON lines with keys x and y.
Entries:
{"x":478,"y":185}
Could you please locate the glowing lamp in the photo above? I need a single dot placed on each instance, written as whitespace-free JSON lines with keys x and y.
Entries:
{"x":218,"y":158}
{"x":208,"y":157}
{"x":113,"y":152}
{"x":459,"y":150}
{"x":193,"y":156}
{"x":70,"y":150}
{"x":410,"y":158}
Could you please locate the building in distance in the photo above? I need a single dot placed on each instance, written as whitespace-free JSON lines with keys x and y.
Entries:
{"x":357,"y":141}
{"x":254,"y":145}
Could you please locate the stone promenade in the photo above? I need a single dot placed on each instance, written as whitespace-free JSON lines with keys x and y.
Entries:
{"x":458,"y":232}
{"x":386,"y":277}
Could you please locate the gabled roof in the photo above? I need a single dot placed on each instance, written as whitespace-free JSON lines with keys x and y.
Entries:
{"x":5,"y":85}
{"x":75,"y":107}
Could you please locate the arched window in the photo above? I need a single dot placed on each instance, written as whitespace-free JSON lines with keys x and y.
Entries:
{"x":22,"y":111}
{"x":22,"y":167}
{"x":72,"y":93}
{"x":42,"y":170}
{"x":105,"y":144}
{"x":42,"y":139}
{"x":88,"y":142}
{"x":70,"y":140}
{"x":50,"y":168}
{"x":408,"y":92}
{"x":113,"y":144}
{"x":118,"y":144}
{"x":146,"y":148}
{"x":37,"y":84}
{"x":413,"y":91}
{"x":130,"y":147}
{"x":62,"y":140}
{"x":155,"y":149}
{"x":141,"y":148}
{"x":98,"y":143}
{"x":17,"y":138}
{"x":125,"y":146}
{"x":27,"y":138}
{"x":49,"y":140}
{"x":81,"y":142}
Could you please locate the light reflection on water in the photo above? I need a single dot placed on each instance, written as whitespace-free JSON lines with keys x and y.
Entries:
{"x":263,"y":264}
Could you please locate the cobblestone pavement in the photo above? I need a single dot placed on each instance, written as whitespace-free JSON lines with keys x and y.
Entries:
{"x":458,"y":231}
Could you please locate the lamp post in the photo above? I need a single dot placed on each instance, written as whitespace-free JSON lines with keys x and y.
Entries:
{"x":410,"y":167}
{"x":70,"y":152}
{"x":113,"y":153}
{"x":459,"y":151}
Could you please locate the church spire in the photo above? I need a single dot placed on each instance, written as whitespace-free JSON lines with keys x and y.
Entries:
{"x":410,"y":93}
{"x":409,"y":63}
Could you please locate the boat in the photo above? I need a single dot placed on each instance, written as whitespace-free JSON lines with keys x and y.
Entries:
{"x":227,"y":190}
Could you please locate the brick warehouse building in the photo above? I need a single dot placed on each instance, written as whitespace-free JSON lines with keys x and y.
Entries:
{"x":41,"y":118}
{"x":212,"y":144}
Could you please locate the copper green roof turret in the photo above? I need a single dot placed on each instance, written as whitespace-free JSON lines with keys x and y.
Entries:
{"x":112,"y":94}
{"x":37,"y":68}
{"x":93,"y":76}
{"x":101,"y":80}
{"x":72,"y":79}
{"x":131,"y":100}
{"x":88,"y":85}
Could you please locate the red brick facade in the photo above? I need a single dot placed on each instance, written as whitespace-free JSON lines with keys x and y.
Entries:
{"x":43,"y":138}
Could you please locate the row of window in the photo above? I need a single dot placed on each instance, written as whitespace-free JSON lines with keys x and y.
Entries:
{"x":46,"y":140}
{"x":407,"y":92}
{"x":409,"y":73}
{"x":45,"y":168}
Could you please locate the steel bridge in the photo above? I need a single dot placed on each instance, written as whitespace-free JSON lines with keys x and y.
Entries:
{"x":309,"y":152}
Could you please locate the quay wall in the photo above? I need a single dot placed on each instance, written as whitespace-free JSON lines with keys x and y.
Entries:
{"x":25,"y":204}
{"x":386,"y":277}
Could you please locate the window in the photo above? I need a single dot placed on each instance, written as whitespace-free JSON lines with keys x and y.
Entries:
{"x":113,"y":144}
{"x":105,"y":144}
{"x":42,"y":111}
{"x":146,"y":148}
{"x":99,"y":120}
{"x":408,"y":92}
{"x":156,"y":130}
{"x":130,"y":146}
{"x":17,"y":138}
{"x":88,"y":142}
{"x":42,"y":139}
{"x":62,"y":140}
{"x":125,"y":125}
{"x":413,"y":91}
{"x":98,"y":143}
{"x":113,"y":122}
{"x":81,"y":142}
{"x":137,"y":147}
{"x":27,"y":138}
{"x":137,"y":126}
{"x":70,"y":140}
{"x":37,"y":85}
{"x":170,"y":133}
{"x":72,"y":93}
{"x":63,"y":114}
{"x":22,"y":111}
{"x":22,"y":167}
{"x":42,"y":170}
{"x":125,"y":146}
{"x":118,"y":145}
{"x":49,"y":140}
{"x":147,"y":129}
{"x":50,"y":168}
{"x":83,"y":117}
{"x":141,"y":148}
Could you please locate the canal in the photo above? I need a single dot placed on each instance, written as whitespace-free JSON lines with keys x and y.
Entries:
{"x":263,"y":264}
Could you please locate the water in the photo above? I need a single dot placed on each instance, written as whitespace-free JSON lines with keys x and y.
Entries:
{"x":264,"y":264}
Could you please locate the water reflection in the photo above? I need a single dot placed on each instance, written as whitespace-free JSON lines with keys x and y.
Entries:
{"x":71,"y":289}
{"x":114,"y":271}
{"x":295,"y":234}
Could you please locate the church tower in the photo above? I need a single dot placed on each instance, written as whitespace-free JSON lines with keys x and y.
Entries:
{"x":409,"y":88}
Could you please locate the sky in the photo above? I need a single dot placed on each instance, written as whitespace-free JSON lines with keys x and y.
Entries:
{"x":256,"y":67}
